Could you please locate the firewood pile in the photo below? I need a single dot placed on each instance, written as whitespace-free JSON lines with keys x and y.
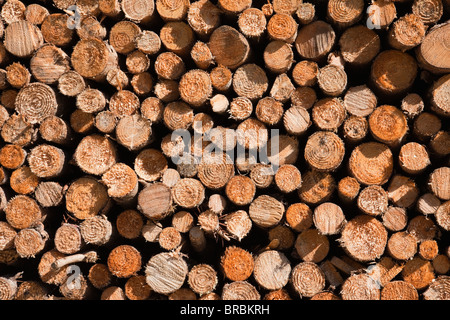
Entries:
{"x":224,"y":150}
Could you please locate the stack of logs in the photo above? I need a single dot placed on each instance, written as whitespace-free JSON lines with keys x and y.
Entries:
{"x":93,"y":205}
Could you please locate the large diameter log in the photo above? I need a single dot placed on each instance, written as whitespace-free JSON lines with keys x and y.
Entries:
{"x":229,"y":47}
{"x":93,"y":58}
{"x":22,"y":38}
{"x":434,"y":53}
{"x":315,"y":40}
{"x":364,"y":238}
{"x":386,"y":75}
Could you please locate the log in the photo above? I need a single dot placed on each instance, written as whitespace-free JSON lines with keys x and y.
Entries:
{"x":307,"y":279}
{"x":328,"y":218}
{"x":16,"y":130}
{"x":140,"y":11}
{"x":95,"y":154}
{"x":438,"y":183}
{"x":282,"y":88}
{"x":35,"y":13}
{"x":55,"y":29}
{"x":442,"y":216}
{"x":418,"y":272}
{"x":71,"y":83}
{"x":17,"y":75}
{"x":68,"y":239}
{"x":240,"y":290}
{"x":46,"y":161}
{"x":49,"y":194}
{"x":22,"y":38}
{"x":250,"y":81}
{"x":266,"y":211}
{"x":122,"y":253}
{"x":272,"y":270}
{"x":236,"y":263}
{"x":166,"y":273}
{"x":288,"y":178}
{"x":23,"y":212}
{"x":305,"y":73}
{"x":359,"y":45}
{"x":381,"y":14}
{"x":373,"y":200}
{"x":356,"y":234}
{"x":282,"y":27}
{"x":105,"y":121}
{"x":355,"y":129}
{"x":429,"y":12}
{"x":269,"y":111}
{"x":431,"y":54}
{"x":296,"y":120}
{"x":234,"y":7}
{"x":182,"y":221}
{"x":142,"y":83}
{"x":402,"y":246}
{"x":306,"y":13}
{"x":8,"y":236}
{"x":360,"y":101}
{"x":278,"y":56}
{"x":169,"y":238}
{"x":344,"y":14}
{"x":155,"y":201}
{"x":252,"y":23}
{"x":229,"y":47}
{"x":240,"y":190}
{"x":86,"y":198}
{"x":439,"y":95}
{"x":221,"y":78}
{"x":113,"y":293}
{"x":399,"y":290}
{"x":328,"y":114}
{"x":172,"y":10}
{"x":136,"y":288}
{"x":81,"y":122}
{"x":395,"y":218}
{"x":202,"y":56}
{"x":426,"y":125}
{"x":96,"y":230}
{"x":104,"y":58}
{"x":202,"y":279}
{"x":324,"y":151}
{"x":178,"y":37}
{"x":312,"y":246}
{"x":412,"y":105}
{"x":384,"y":76}
{"x":195,"y":87}
{"x":299,"y":217}
{"x":428,"y":249}
{"x":90,"y":27}
{"x":315,"y":40}
{"x":23,"y":180}
{"x":238,"y":224}
{"x":360,"y":287}
{"x":407,"y":32}
{"x":203,"y":17}
{"x":12,"y":156}
{"x":316,"y":187}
